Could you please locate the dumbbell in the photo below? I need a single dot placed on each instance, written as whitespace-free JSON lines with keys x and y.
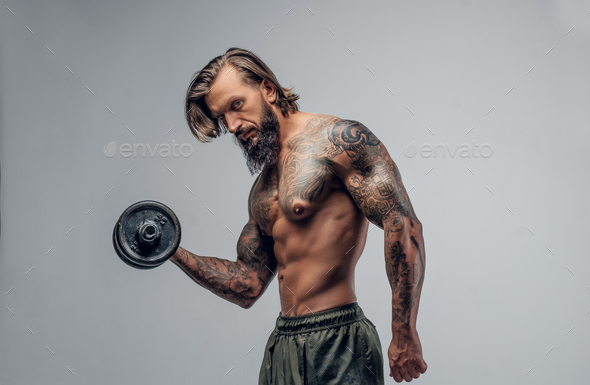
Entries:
{"x":146,"y":235}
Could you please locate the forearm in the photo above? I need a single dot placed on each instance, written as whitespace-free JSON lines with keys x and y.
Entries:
{"x":405,"y":263}
{"x":228,"y":279}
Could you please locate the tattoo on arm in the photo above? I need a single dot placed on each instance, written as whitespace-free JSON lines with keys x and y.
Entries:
{"x":240,"y":282}
{"x":398,"y":272}
{"x":423,"y":269}
{"x":377,"y":185}
{"x":225,"y":278}
{"x":356,"y":158}
{"x":256,"y":252}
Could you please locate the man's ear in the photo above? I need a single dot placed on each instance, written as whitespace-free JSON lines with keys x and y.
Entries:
{"x":268,"y":91}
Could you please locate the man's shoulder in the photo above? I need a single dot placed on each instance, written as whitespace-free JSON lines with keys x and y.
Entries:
{"x":324,"y":122}
{"x":337,"y":135}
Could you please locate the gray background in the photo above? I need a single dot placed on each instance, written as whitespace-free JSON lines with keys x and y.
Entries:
{"x":506,"y":236}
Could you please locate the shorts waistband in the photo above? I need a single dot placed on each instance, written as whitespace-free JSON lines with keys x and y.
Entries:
{"x":319,"y":320}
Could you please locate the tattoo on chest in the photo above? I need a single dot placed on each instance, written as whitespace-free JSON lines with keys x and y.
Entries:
{"x":308,"y":161}
{"x":305,"y":167}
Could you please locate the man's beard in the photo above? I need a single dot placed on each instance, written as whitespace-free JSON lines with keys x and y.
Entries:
{"x":265,"y":150}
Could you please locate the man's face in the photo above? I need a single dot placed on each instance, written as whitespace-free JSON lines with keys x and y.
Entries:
{"x":262,"y":145}
{"x":244,"y":110}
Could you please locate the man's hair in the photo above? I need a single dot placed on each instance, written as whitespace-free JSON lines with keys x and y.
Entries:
{"x":252,"y":71}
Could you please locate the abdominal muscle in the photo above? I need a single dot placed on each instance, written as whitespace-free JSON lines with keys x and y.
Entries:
{"x":317,"y":257}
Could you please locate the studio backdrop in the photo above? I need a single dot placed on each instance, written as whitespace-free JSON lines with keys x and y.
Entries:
{"x":484,"y":107}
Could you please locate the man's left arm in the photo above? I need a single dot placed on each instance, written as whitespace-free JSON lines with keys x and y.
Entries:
{"x":362,"y":162}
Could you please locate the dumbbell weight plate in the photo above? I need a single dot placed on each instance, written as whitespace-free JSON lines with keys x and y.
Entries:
{"x":125,"y":258}
{"x":154,"y":218}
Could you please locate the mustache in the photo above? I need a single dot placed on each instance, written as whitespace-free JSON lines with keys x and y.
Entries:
{"x":243,"y":131}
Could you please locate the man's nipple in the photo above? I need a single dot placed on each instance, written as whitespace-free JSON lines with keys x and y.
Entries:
{"x":298,"y":209}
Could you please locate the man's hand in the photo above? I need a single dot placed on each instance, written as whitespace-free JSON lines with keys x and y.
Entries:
{"x":405,"y":356}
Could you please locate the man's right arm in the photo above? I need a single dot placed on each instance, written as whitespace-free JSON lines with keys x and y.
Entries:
{"x":242,"y":281}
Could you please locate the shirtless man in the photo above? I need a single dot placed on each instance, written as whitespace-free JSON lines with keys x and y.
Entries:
{"x":322,"y":180}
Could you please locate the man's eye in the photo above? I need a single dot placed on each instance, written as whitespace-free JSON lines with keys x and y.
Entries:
{"x":236,"y":103}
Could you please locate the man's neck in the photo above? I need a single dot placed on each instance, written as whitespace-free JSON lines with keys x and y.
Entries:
{"x":291,"y":125}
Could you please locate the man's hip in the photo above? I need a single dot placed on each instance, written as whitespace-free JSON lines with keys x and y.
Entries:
{"x":334,"y":346}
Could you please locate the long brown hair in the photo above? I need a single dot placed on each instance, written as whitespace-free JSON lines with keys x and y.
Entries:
{"x":252,"y":71}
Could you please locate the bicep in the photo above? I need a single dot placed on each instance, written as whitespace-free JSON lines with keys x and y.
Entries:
{"x":256,"y":253}
{"x":371,"y":176}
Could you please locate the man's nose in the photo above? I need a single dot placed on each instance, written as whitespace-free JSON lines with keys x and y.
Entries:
{"x":233,"y":124}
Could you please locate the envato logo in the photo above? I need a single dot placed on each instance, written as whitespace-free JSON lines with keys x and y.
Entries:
{"x":164,"y":150}
{"x":465,"y":150}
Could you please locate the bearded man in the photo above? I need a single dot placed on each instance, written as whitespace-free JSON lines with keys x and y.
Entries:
{"x":322,"y":180}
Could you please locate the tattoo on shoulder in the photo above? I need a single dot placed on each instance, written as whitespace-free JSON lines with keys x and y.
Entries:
{"x":347,"y":135}
{"x":377,"y":187}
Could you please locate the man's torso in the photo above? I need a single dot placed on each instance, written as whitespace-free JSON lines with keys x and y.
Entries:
{"x":318,"y":231}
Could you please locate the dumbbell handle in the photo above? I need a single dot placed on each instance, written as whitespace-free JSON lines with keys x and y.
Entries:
{"x":149,"y":232}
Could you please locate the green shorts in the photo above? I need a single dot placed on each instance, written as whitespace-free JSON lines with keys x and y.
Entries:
{"x":329,"y":347}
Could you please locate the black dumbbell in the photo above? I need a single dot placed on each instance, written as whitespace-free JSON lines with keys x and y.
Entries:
{"x":146,"y":235}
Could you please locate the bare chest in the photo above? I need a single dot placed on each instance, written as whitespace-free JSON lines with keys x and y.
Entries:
{"x":297,"y":186}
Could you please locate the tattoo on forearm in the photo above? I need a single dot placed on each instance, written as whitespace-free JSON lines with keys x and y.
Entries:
{"x":423,"y":270}
{"x":231,"y":280}
{"x":224,"y":278}
{"x":404,"y":293}
{"x":398,"y":272}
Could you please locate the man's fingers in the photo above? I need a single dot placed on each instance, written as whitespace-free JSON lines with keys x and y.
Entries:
{"x":408,"y":371}
{"x":406,"y":375}
{"x":422,"y":366}
{"x":414,"y":371}
{"x":396,"y":376}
